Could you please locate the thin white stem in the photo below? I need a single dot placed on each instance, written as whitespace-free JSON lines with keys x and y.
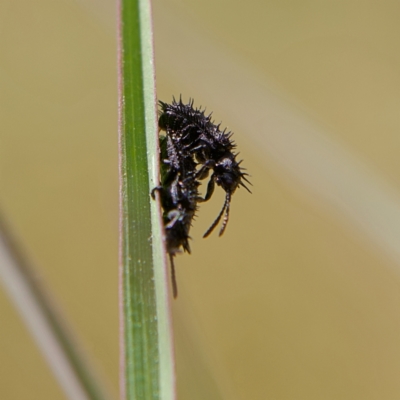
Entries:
{"x":43,"y":323}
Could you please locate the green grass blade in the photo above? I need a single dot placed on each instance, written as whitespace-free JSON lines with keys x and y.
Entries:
{"x":147,"y":351}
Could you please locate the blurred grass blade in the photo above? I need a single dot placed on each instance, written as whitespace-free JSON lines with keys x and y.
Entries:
{"x":147,"y":352}
{"x":45,"y":324}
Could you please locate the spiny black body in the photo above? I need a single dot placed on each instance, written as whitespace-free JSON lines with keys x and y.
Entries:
{"x":193,"y":146}
{"x":198,"y":136}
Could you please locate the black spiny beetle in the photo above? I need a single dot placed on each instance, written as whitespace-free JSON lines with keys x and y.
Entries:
{"x":193,"y":146}
{"x":197,"y":135}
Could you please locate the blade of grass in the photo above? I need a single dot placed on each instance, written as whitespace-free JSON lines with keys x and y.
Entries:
{"x":146,"y":337}
{"x":43,"y":320}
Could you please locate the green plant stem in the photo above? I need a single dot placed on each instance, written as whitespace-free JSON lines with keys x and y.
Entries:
{"x":147,"y":359}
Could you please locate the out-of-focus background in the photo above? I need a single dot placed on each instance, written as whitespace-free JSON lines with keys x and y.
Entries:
{"x":300,"y":299}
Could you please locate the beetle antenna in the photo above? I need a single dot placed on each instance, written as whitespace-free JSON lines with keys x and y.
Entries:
{"x":215,"y":223}
{"x":226,"y":216}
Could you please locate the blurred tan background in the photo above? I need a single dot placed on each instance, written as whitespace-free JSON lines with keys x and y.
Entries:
{"x":300,"y":299}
